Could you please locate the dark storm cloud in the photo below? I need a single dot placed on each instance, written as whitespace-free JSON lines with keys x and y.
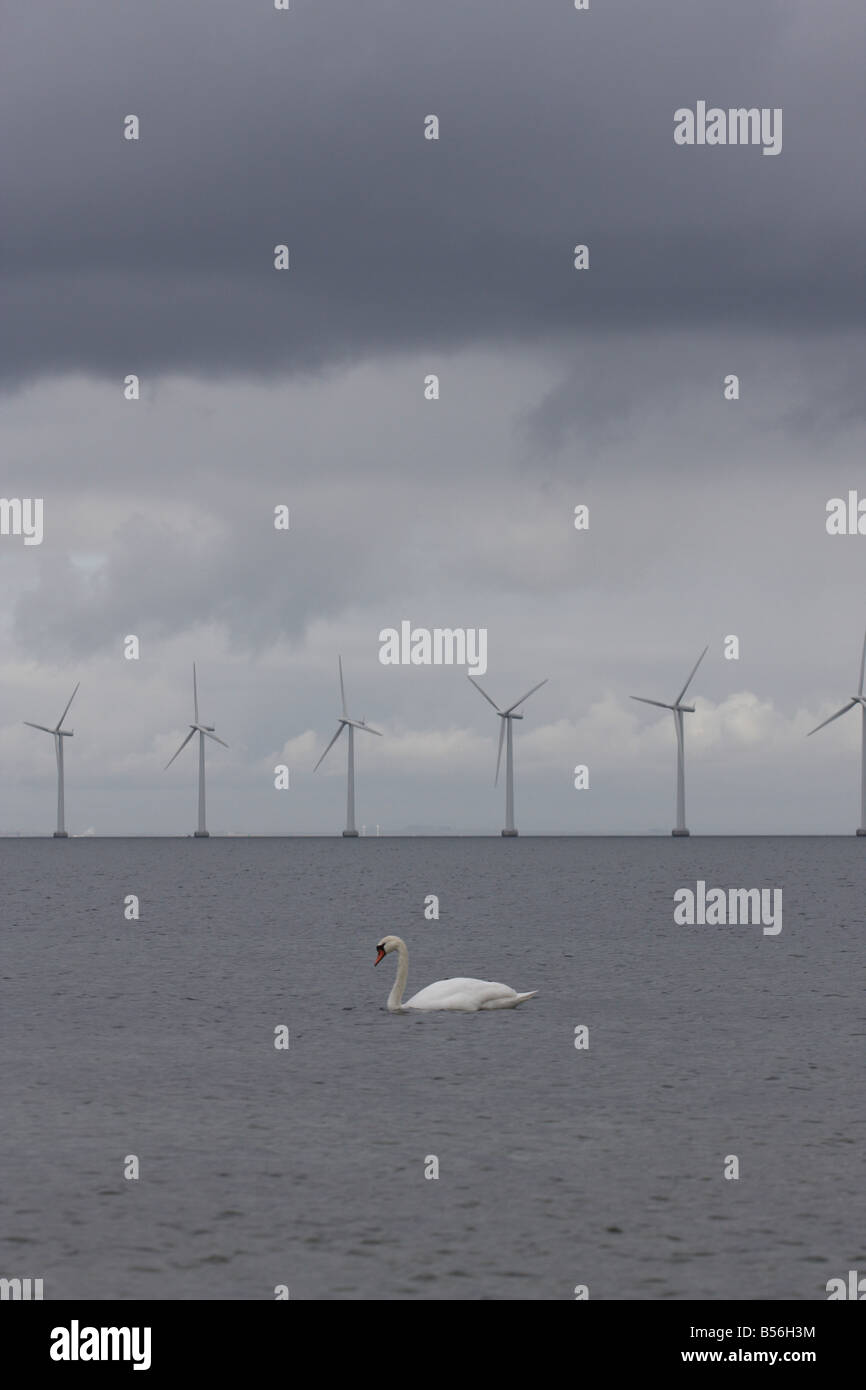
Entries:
{"x":306,"y":127}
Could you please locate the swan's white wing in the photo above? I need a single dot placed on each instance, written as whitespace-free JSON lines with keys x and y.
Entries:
{"x":464,"y":994}
{"x":440,"y":995}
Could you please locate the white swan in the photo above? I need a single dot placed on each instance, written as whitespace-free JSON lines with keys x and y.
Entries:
{"x":460,"y":994}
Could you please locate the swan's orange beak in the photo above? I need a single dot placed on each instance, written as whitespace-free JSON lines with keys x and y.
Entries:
{"x":381,"y":956}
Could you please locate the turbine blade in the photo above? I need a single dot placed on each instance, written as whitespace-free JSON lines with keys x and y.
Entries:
{"x":329,"y":747}
{"x":837,"y":715}
{"x":484,"y":693}
{"x":207,"y":733}
{"x":66,"y":711}
{"x":180,"y":750}
{"x":499,"y":754}
{"x":644,"y":701}
{"x":359,"y":724}
{"x":691,"y":675}
{"x":526,"y":696}
{"x":862,"y":666}
{"x":342,"y":687}
{"x":44,"y":727}
{"x":195,"y":692}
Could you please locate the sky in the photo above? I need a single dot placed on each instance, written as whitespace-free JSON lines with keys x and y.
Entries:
{"x":305,"y":388}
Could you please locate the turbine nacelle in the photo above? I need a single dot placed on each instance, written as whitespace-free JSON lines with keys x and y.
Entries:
{"x":344,"y":721}
{"x":196,"y":728}
{"x":58,"y":731}
{"x":663,"y":704}
{"x":506,"y":715}
{"x":677,"y":707}
{"x":357,"y":724}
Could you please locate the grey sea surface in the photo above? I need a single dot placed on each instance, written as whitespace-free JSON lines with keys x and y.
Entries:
{"x":305,"y":1167}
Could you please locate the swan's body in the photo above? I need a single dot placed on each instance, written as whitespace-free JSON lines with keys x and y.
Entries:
{"x":460,"y":994}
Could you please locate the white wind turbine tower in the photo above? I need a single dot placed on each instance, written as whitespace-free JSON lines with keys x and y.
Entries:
{"x":506,"y":715}
{"x":854,"y":700}
{"x":59,"y":734}
{"x":351,"y":724}
{"x":679,"y":709}
{"x":204,"y":731}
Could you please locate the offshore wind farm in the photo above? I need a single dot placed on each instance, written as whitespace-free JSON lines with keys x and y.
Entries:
{"x":507,"y":716}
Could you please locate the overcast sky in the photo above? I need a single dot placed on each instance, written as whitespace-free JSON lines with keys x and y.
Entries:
{"x":306,"y":387}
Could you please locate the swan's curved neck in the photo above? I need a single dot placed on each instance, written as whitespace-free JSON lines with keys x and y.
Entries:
{"x":396,"y":996}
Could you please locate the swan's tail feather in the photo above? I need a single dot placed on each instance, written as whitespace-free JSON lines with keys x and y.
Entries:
{"x":507,"y":1001}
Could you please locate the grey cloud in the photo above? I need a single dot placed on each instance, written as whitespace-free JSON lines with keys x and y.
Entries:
{"x":307,"y":127}
{"x":409,"y":257}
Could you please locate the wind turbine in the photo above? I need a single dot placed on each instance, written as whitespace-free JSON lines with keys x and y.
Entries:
{"x":351,"y":724}
{"x":506,"y":715}
{"x":858,"y":699}
{"x":679,"y":709}
{"x":204,"y":731}
{"x":59,"y":734}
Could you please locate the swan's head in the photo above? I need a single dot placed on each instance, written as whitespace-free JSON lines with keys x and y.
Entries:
{"x":385,"y":946}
